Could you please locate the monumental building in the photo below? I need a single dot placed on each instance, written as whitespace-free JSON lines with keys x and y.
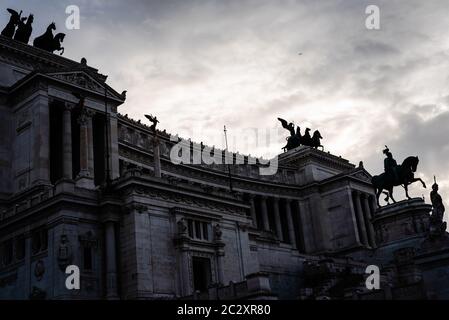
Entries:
{"x":82,"y":184}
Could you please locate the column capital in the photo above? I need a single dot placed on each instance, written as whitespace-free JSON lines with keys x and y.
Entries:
{"x":251,"y":196}
{"x":366,"y":195}
{"x":69,"y":106}
{"x":85,"y":116}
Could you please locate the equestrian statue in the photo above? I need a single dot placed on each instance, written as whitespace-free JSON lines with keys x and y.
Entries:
{"x":20,"y":28}
{"x":395,"y":175}
{"x":48,"y":42}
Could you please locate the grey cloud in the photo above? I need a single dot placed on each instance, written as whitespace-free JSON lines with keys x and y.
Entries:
{"x":207,"y":63}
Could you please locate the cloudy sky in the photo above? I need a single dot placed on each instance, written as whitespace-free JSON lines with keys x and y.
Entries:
{"x":199,"y":65}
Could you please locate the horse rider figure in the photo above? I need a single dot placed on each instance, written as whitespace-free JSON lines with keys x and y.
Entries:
{"x":390,"y":166}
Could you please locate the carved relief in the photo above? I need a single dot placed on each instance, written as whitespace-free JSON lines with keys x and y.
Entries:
{"x":141,"y":140}
{"x":37,"y":294}
{"x":88,"y":239}
{"x":39,"y":270}
{"x":217,"y":232}
{"x":121,"y":132}
{"x":80,"y":79}
{"x":182,"y":227}
{"x":165,"y":151}
{"x":65,"y":254}
{"x":128,"y":135}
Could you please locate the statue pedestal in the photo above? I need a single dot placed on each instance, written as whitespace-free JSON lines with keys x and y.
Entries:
{"x":65,"y":186}
{"x":401,"y":220}
{"x":85,"y":182}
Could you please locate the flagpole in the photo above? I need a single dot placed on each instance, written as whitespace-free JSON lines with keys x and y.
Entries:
{"x":229,"y":166}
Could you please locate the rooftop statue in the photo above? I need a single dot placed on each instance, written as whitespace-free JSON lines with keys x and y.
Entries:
{"x":395,"y":175}
{"x":14,"y":20}
{"x":24,"y":30}
{"x":48,"y":42}
{"x":437,"y":226}
{"x":153,"y":120}
{"x":296,"y":139}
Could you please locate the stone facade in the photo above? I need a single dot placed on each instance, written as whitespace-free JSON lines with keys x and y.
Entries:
{"x":83,"y":185}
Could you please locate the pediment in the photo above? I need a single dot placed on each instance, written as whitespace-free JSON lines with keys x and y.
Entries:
{"x":85,"y":81}
{"x":362,"y":175}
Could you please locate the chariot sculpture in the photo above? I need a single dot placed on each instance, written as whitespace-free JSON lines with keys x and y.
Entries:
{"x":296,"y":139}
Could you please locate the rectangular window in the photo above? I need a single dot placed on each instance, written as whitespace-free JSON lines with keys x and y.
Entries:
{"x":190,"y":228}
{"x":39,"y":241}
{"x":7,"y":252}
{"x":44,"y":239}
{"x":198,"y":229}
{"x":35,"y":242}
{"x":87,"y":258}
{"x":205,"y":231}
{"x":20,"y":248}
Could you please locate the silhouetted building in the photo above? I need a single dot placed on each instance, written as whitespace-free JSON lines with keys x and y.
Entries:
{"x":81,"y":184}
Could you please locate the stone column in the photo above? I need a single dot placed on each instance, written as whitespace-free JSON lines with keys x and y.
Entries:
{"x":277,"y":217}
{"x":291,"y":227}
{"x":40,"y":173}
{"x":111,"y":261}
{"x":300,"y":232}
{"x":361,"y":224}
{"x":185,"y":280}
{"x":84,"y":178}
{"x":90,"y":145}
{"x":253,"y":210}
{"x":156,"y":157}
{"x":67,"y":141}
{"x":220,"y":265}
{"x":371,"y":233}
{"x":353,"y":216}
{"x":84,"y":147}
{"x":373,"y":205}
{"x":264,"y":210}
{"x":113,"y":146}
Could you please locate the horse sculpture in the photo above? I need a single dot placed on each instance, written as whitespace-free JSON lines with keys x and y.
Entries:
{"x":405,"y":177}
{"x":24,"y":30}
{"x":316,"y":140}
{"x":56,"y":44}
{"x":49,"y":43}
{"x":14,"y":20}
